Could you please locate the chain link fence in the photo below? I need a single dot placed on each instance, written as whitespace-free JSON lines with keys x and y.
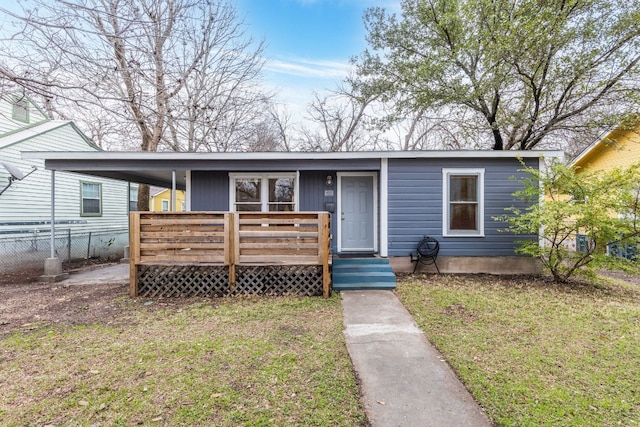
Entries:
{"x":30,"y":249}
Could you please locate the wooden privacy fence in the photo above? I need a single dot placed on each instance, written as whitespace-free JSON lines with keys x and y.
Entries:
{"x":229,"y":253}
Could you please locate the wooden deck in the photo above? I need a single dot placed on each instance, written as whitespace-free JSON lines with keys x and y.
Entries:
{"x":222,"y":253}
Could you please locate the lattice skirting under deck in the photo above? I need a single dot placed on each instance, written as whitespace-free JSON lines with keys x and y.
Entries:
{"x":279,"y":280}
{"x":213,"y":281}
{"x":182,"y":281}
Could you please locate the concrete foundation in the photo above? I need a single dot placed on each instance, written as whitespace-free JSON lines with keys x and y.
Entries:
{"x":471,"y":265}
{"x":53,"y":271}
{"x":125,"y":259}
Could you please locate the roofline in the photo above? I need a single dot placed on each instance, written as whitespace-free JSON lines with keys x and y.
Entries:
{"x":604,"y":136}
{"x":288,"y":155}
{"x":17,"y":92}
{"x":42,"y":128}
{"x":584,"y":153}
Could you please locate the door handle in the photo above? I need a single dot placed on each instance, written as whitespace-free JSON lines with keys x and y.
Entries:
{"x":342,"y":216}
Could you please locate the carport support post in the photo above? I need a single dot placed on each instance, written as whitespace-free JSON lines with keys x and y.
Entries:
{"x":173,"y":191}
{"x":53,"y":265}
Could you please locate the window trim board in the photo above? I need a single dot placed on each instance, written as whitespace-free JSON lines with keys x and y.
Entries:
{"x":264,"y":189}
{"x":90,"y":214}
{"x":446,"y":204}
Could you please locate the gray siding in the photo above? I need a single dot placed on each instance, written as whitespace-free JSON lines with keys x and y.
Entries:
{"x":312,"y":195}
{"x":209,"y":191}
{"x":312,"y":190}
{"x":415,"y":206}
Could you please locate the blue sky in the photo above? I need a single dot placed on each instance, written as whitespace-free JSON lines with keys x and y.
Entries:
{"x":309,"y":42}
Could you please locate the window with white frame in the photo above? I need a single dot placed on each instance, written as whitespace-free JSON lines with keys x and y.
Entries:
{"x":91,"y":195}
{"x":165,"y":205}
{"x":463,"y":202}
{"x":263,"y":192}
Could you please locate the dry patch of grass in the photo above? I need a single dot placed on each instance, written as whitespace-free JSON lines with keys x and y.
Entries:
{"x":533,"y":353}
{"x":253,"y":361}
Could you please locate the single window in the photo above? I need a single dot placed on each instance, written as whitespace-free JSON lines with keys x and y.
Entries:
{"x":183,"y":206}
{"x":91,"y":199}
{"x":21,"y":109}
{"x":165,"y":206}
{"x":266,"y":193}
{"x":463,"y":204}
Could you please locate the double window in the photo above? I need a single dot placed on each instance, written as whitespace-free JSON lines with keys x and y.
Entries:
{"x":91,"y":195}
{"x":263,"y":192}
{"x":463,"y":202}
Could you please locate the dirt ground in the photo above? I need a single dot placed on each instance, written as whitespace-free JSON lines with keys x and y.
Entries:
{"x":26,"y":303}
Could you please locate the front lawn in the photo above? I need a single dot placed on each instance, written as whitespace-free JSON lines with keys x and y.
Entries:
{"x":229,"y":362}
{"x":534,"y":353}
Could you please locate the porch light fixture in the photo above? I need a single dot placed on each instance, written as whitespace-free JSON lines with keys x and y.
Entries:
{"x":329,"y":181}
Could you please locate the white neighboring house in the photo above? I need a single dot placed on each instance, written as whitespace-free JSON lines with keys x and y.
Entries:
{"x":91,"y":213}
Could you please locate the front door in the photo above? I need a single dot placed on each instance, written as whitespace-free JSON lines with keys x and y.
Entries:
{"x":357,"y":213}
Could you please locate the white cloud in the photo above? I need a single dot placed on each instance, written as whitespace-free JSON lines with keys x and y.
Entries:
{"x":323,"y":69}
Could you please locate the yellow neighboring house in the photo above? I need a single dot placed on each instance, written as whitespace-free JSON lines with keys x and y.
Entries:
{"x":618,"y":148}
{"x":160,"y":200}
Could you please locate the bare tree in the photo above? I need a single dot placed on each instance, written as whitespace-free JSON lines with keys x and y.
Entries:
{"x":342,"y":119}
{"x":180,"y":72}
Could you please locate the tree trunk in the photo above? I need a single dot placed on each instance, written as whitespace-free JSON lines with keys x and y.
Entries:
{"x":143,"y":197}
{"x":497,"y":138}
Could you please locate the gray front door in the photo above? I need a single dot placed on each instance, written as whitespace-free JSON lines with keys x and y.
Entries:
{"x":357,"y":213}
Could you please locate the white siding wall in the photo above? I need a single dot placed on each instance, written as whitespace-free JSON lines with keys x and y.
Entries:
{"x":29,"y":200}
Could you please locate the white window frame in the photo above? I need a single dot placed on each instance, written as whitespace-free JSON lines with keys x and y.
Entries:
{"x":82,"y":199}
{"x":264,"y":187}
{"x":446,"y":203}
{"x":163,"y":203}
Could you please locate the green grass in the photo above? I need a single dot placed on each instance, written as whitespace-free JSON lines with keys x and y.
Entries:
{"x":533,"y":353}
{"x":248,"y":361}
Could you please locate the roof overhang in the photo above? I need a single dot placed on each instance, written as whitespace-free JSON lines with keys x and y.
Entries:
{"x":157,"y":168}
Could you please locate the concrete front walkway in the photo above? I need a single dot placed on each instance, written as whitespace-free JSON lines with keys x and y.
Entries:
{"x":403,"y":379}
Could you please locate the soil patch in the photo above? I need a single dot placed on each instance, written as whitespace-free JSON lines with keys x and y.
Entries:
{"x":26,"y":303}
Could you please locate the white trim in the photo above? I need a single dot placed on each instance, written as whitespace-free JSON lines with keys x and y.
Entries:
{"x":296,"y":192}
{"x":339,"y":176}
{"x":264,"y":189}
{"x":543,"y":168}
{"x":446,"y":173}
{"x":603,"y":136}
{"x":384,"y":207}
{"x":172,"y":204}
{"x":187,"y":195}
{"x":292,"y":155}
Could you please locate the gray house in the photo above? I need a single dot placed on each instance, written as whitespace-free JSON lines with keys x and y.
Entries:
{"x":382,"y":203}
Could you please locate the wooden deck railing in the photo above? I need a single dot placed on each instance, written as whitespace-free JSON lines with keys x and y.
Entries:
{"x":226,"y":239}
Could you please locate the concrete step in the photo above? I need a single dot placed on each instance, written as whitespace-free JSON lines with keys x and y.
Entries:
{"x":372,"y":260}
{"x":363,"y":286}
{"x":355,"y":268}
{"x":364,"y":276}
{"x":362,"y":273}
